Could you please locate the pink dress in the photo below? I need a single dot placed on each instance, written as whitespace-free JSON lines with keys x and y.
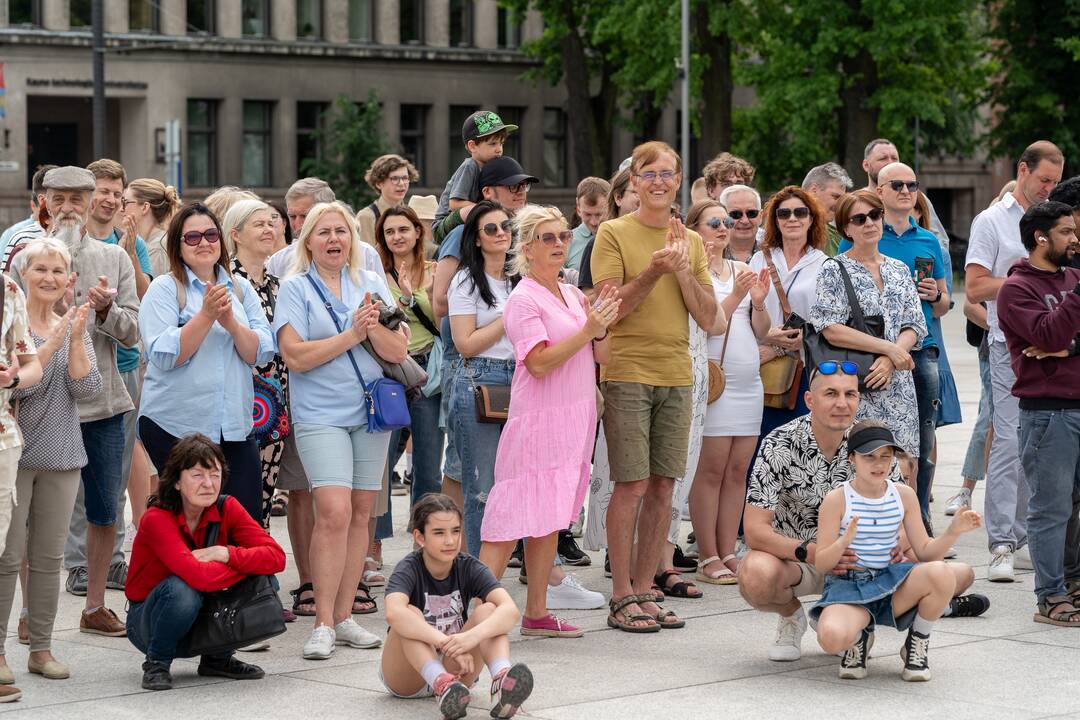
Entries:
{"x":542,"y":466}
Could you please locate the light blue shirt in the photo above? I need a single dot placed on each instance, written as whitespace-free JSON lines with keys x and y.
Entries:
{"x":329,"y":394}
{"x":581,"y":238}
{"x":5,"y":238}
{"x":212,"y":392}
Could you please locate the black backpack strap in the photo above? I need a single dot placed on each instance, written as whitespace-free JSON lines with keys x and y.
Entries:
{"x":375,"y":211}
{"x":213,"y":529}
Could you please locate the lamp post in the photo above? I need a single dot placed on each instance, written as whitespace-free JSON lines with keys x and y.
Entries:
{"x":97,"y":19}
{"x":684,"y":121}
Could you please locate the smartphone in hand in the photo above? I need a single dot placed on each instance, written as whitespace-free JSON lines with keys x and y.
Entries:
{"x":794,"y":322}
{"x":924,"y":269}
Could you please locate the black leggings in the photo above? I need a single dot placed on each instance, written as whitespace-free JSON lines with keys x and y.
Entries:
{"x":241,"y":457}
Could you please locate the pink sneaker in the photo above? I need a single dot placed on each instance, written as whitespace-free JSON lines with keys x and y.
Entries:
{"x":452,"y":696}
{"x":549,"y":626}
{"x":510,"y":689}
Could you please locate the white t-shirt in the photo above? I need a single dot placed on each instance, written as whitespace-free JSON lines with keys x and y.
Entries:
{"x":995,"y":245}
{"x":799,"y":282}
{"x":464,"y":299}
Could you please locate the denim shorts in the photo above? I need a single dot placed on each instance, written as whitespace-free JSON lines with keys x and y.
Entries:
{"x":871,"y":589}
{"x":103,"y":475}
{"x":348,"y":457}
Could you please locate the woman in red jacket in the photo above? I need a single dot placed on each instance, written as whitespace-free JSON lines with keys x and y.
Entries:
{"x":170,"y":569}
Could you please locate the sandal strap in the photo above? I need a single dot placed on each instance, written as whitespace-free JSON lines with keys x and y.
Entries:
{"x":306,"y":587}
{"x":729,"y":556}
{"x":702,"y":563}
{"x":618,"y":605}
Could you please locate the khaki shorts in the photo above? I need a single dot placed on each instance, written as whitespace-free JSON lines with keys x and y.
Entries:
{"x":647,"y":429}
{"x":291,"y":475}
{"x":812,"y":581}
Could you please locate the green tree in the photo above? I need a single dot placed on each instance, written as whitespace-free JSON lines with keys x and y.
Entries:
{"x":1035,"y":94}
{"x":351,"y":138}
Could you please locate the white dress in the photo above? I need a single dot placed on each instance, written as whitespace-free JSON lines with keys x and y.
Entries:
{"x":738,"y":411}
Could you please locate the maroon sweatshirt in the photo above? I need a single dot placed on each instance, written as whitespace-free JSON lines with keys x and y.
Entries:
{"x":1041,"y":308}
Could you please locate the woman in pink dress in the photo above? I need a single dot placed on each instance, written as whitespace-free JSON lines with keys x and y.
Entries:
{"x":542,"y":466}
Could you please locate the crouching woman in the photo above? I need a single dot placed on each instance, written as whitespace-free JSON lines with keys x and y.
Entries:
{"x":171,"y":570}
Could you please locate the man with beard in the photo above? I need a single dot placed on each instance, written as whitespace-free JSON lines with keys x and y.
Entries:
{"x":102,"y":275}
{"x":1040,"y":318}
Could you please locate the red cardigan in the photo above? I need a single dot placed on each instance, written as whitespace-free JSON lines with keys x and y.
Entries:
{"x":163,"y":545}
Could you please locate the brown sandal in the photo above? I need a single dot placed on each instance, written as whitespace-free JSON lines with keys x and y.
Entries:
{"x":1055,"y":611}
{"x":619,"y":606}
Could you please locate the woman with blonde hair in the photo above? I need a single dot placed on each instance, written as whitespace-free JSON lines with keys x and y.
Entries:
{"x":225,"y":197}
{"x":151,"y":204}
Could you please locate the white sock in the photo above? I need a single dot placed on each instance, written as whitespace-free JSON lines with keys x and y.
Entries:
{"x":24,"y":613}
{"x":799,"y":614}
{"x":91,"y":611}
{"x":922,"y":625}
{"x":948,"y":610}
{"x":431,"y":671}
{"x":498,"y":665}
{"x":408,"y":462}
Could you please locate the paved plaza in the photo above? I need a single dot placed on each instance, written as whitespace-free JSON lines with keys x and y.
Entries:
{"x":1001,"y":665}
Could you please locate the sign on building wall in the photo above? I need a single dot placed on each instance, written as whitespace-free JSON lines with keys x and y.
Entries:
{"x":3,"y":91}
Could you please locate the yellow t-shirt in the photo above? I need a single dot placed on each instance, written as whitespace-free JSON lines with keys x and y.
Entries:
{"x":651,"y":345}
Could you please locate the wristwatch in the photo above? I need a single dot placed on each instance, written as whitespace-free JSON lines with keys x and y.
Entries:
{"x":936,"y":300}
{"x":411,"y":302}
{"x":14,"y":384}
{"x":800,"y":552}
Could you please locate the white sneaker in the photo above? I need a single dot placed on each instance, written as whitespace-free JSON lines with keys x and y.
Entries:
{"x":320,"y":645}
{"x":129,"y":537}
{"x":787,"y":647}
{"x":1001,"y":564}
{"x":571,"y":595}
{"x":957,"y":501}
{"x":348,"y":632}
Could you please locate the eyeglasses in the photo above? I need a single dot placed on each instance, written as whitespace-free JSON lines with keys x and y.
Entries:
{"x":715,"y":223}
{"x":831,"y":367}
{"x":650,"y":176}
{"x":737,"y":215}
{"x":563,"y":236}
{"x":124,"y":202}
{"x":194,"y":238}
{"x":492,"y":229}
{"x":898,"y":185}
{"x":520,"y":187}
{"x":399,"y":179}
{"x":860,"y":219}
{"x":799,"y":212}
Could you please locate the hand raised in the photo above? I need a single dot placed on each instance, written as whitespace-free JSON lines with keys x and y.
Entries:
{"x":761,"y":287}
{"x":602,"y":313}
{"x":744,"y":282}
{"x":101,"y":295}
{"x":78,"y":326}
{"x":211,"y":306}
{"x":965,"y":520}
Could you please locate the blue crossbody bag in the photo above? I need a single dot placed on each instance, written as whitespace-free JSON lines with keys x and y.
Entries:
{"x":387,"y":408}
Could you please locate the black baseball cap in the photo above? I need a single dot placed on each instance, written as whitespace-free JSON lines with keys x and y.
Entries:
{"x":483,"y":123}
{"x":503,"y":171}
{"x":868,"y":439}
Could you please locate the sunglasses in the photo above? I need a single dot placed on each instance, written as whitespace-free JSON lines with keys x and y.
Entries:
{"x":520,"y":187}
{"x":799,"y":212}
{"x":715,"y":223}
{"x":563,"y":236}
{"x":194,"y":237}
{"x":492,"y":229}
{"x":860,"y":219}
{"x":737,"y":215}
{"x":898,"y":185}
{"x":831,"y":367}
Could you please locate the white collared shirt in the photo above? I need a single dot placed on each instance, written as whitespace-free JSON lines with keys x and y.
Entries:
{"x":995,"y":245}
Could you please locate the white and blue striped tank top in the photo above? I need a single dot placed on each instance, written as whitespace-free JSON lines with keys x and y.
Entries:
{"x":879,"y":525}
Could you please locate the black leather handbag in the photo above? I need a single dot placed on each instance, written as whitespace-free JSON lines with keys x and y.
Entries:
{"x":818,"y":349}
{"x":238,"y":616}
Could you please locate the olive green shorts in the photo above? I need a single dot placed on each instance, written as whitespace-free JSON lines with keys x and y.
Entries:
{"x":647,"y":429}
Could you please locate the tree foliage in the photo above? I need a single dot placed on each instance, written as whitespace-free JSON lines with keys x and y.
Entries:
{"x":351,"y":137}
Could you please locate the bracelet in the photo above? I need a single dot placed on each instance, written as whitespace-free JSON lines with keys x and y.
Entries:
{"x":759,"y":309}
{"x":602,"y":337}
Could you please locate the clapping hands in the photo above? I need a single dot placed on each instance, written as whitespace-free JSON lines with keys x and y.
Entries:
{"x":602,"y":313}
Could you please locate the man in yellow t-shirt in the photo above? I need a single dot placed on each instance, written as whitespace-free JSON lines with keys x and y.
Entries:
{"x":660,"y":270}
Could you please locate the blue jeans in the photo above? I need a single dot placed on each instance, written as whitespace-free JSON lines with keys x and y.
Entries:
{"x":1050,"y":455}
{"x":102,"y":476}
{"x":975,"y":460}
{"x":159,"y":625}
{"x":476,"y":442}
{"x":928,"y":394}
{"x":451,"y":364}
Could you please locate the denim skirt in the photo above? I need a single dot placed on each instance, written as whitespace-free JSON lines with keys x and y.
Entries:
{"x":870,"y":588}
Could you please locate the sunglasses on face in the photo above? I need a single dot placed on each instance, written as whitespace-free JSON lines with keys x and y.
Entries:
{"x":492,"y":229}
{"x":737,"y":215}
{"x":194,"y":237}
{"x":799,"y":212}
{"x":898,"y":185}
{"x":563,"y":236}
{"x":860,"y":219}
{"x":715,"y":223}
{"x":520,"y":187}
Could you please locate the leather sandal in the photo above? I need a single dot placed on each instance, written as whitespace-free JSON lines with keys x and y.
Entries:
{"x":723,"y":576}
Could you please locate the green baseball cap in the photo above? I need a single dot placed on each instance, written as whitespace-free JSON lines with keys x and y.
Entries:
{"x":483,"y":123}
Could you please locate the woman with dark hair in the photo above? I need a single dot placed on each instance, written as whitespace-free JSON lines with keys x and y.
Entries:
{"x":476,"y":298}
{"x":279,"y":217}
{"x":204,"y":330}
{"x":171,"y":568}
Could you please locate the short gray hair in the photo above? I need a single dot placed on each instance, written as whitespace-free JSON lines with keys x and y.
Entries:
{"x":734,"y":189}
{"x":312,"y":187}
{"x":39,"y":247}
{"x":236,"y":217}
{"x":822,"y":175}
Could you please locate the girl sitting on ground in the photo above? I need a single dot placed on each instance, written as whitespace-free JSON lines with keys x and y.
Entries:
{"x":436,"y":645}
{"x":864,"y":515}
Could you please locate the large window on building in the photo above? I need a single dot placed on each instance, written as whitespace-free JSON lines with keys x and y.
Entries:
{"x":200,"y":16}
{"x":309,"y":19}
{"x":554,"y":147}
{"x":411,"y":19}
{"x":513,"y":116}
{"x":257,"y":142}
{"x":81,"y":12}
{"x":457,"y":151}
{"x":509,"y":36}
{"x":24,"y":12}
{"x":310,"y":119}
{"x":461,"y":23}
{"x":202,"y":143}
{"x":361,"y":20}
{"x":255,"y":18}
{"x":413,"y":131}
{"x":144,"y":16}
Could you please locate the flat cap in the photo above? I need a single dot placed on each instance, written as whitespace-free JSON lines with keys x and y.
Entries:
{"x":69,"y":177}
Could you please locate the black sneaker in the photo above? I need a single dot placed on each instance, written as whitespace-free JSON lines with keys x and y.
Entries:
{"x":972,"y":605}
{"x":915,"y":654}
{"x":117,"y":577}
{"x":853,"y":664}
{"x":232,"y":668}
{"x":683,"y":563}
{"x":397,"y":487}
{"x":407,"y":477}
{"x":569,"y":551}
{"x":517,"y":558}
{"x":76,"y":581}
{"x":509,"y":689}
{"x":156,"y":676}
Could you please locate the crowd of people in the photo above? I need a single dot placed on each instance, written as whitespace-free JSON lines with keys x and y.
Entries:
{"x":774,"y":370}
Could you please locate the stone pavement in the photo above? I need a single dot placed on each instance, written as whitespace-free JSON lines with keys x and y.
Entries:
{"x":1001,"y":665}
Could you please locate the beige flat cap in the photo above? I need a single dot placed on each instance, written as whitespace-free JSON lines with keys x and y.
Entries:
{"x":69,"y":177}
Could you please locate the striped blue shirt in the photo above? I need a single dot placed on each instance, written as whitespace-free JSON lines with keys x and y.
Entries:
{"x":879,"y":525}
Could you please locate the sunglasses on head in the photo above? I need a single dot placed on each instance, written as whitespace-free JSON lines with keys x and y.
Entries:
{"x":194,"y":237}
{"x":563,"y":236}
{"x":492,"y":229}
{"x":898,"y":185}
{"x":861,"y":218}
{"x":799,"y":212}
{"x":831,"y":367}
{"x":738,"y":214}
{"x":715,"y":223}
